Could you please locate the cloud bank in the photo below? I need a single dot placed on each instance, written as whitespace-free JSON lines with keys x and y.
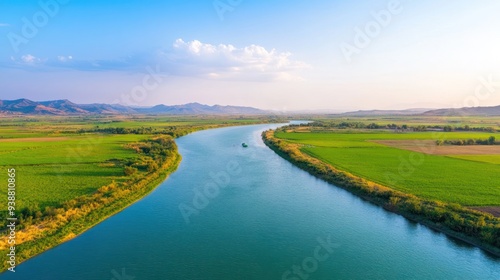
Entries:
{"x":227,"y":61}
{"x":192,"y":59}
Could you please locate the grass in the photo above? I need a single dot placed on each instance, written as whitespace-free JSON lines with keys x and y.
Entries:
{"x":457,"y":179}
{"x":43,"y":184}
{"x":492,"y":159}
{"x":50,"y":173}
{"x":78,"y":149}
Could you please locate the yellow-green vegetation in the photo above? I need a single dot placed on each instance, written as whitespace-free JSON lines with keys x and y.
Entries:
{"x":493,"y":159}
{"x":424,"y":187}
{"x":73,"y":172}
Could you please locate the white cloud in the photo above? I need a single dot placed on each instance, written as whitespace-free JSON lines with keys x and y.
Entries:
{"x":62,"y":58}
{"x":227,"y":61}
{"x":28,"y":58}
{"x":191,"y":59}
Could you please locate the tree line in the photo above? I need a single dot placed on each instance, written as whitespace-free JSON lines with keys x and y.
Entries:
{"x":170,"y":130}
{"x":468,"y":142}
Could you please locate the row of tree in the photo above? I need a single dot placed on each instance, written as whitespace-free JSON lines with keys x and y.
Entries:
{"x":174,"y":131}
{"x":468,"y":142}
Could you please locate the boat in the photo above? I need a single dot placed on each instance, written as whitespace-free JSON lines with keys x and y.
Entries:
{"x":244,"y":145}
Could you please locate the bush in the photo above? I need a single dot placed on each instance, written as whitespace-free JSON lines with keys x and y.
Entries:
{"x":152,"y":166}
{"x":129,"y":170}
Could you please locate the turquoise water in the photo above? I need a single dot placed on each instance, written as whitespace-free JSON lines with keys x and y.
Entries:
{"x":248,"y":214}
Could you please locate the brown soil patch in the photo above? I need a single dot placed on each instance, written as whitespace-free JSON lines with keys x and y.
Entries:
{"x":299,"y":129}
{"x":494,"y":210}
{"x":430,"y":147}
{"x":39,"y":139}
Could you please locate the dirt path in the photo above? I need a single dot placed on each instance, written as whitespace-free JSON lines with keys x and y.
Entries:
{"x":494,"y":210}
{"x":430,"y":147}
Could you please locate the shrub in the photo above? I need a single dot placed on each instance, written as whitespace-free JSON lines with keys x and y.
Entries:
{"x":129,"y":170}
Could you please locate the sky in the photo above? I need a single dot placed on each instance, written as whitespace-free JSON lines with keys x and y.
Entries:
{"x":279,"y":55}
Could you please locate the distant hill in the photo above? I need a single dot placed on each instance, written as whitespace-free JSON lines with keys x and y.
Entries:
{"x":368,"y":113}
{"x":66,"y":107}
{"x":469,"y":111}
{"x":197,"y":108}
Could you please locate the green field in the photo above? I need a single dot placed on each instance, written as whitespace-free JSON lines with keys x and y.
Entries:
{"x":493,"y":159}
{"x":468,"y":180}
{"x":52,"y":172}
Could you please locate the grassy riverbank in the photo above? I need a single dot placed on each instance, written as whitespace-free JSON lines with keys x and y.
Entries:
{"x":74,"y":172}
{"x":475,"y":227}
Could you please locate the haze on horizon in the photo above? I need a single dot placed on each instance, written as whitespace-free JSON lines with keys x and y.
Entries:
{"x":278,"y":55}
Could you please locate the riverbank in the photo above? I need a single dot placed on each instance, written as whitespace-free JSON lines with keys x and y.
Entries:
{"x":83,"y":213}
{"x":474,"y":227}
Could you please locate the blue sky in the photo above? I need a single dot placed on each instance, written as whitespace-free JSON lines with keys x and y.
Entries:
{"x":281,"y":55}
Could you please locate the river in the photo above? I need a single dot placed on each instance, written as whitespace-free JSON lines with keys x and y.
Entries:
{"x":230,"y":212}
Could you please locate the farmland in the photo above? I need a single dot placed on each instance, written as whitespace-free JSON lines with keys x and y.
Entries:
{"x":456,"y":178}
{"x":80,"y":164}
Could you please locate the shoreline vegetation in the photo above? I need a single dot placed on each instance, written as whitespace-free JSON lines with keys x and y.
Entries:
{"x":57,"y":225}
{"x":156,"y":157}
{"x":474,"y":227}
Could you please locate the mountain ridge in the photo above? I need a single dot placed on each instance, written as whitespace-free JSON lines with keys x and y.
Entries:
{"x":466,"y":111}
{"x":64,"y":107}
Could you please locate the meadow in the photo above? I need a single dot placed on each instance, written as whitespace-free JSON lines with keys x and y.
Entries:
{"x":464,"y":179}
{"x":51,"y":172}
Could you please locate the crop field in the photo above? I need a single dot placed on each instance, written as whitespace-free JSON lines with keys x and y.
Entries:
{"x":50,"y":185}
{"x":430,"y":147}
{"x":493,"y":159}
{"x":51,"y":170}
{"x":465,"y":179}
